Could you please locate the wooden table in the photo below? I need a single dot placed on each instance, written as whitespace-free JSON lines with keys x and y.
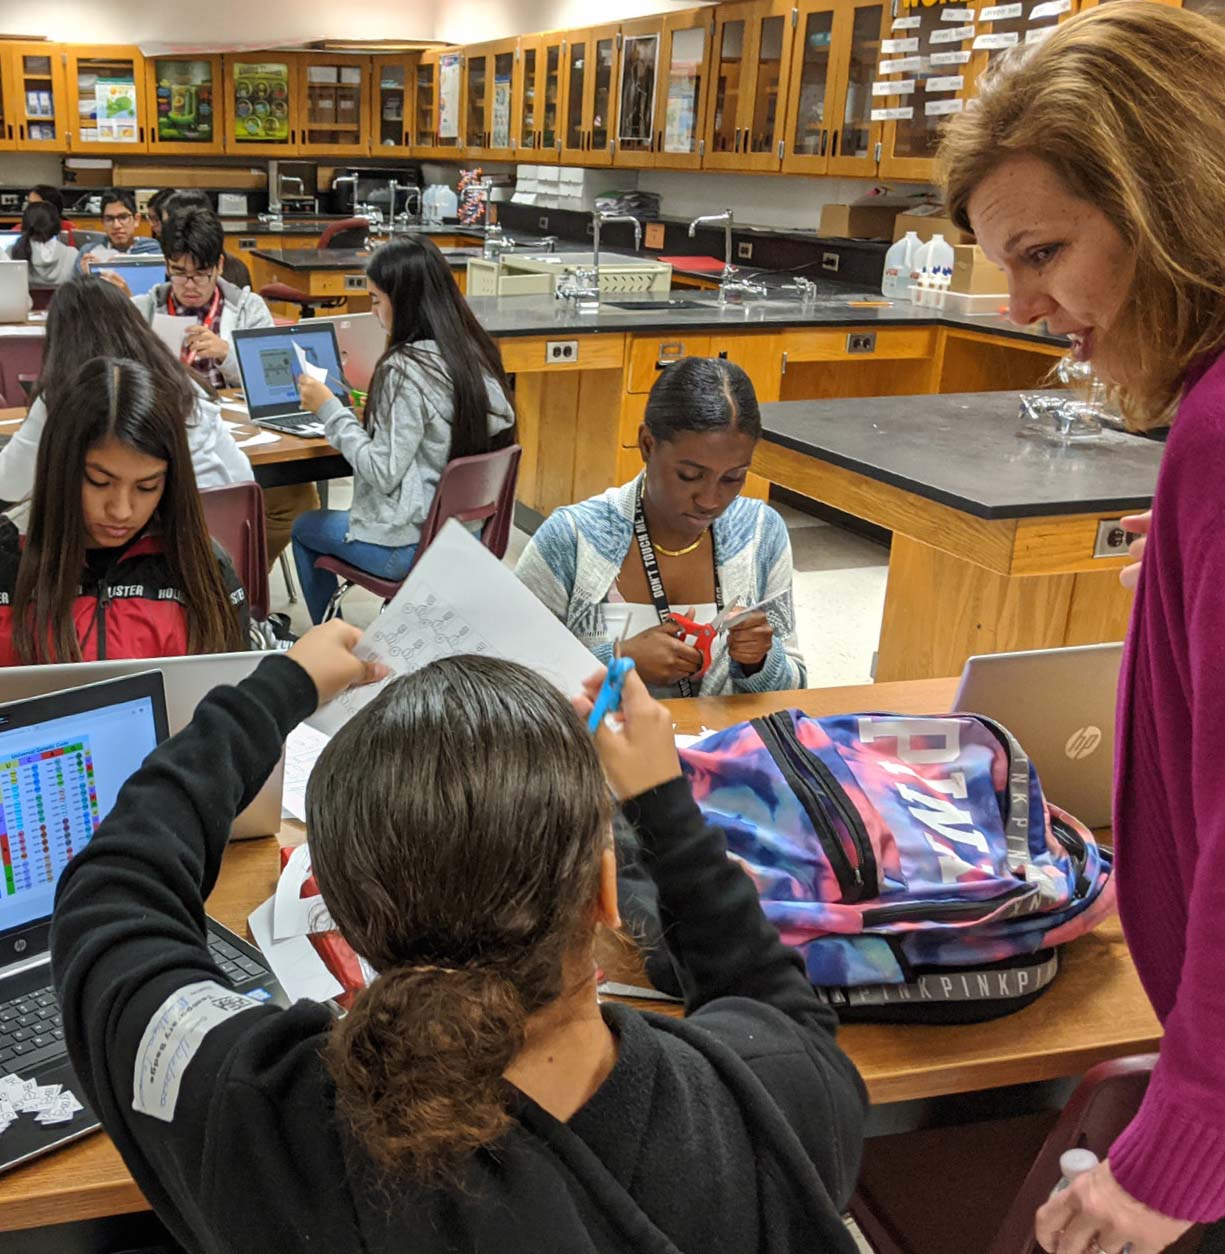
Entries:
{"x":1095,"y":1010}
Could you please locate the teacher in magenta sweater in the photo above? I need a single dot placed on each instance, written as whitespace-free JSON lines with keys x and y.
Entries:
{"x":1093,"y":171}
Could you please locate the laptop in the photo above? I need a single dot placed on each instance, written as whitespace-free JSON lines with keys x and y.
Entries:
{"x":8,"y":239}
{"x":57,"y":746}
{"x":362,"y":342}
{"x":14,"y":291}
{"x":187,"y":680}
{"x":270,"y":368}
{"x":1060,"y":704}
{"x":141,"y":274}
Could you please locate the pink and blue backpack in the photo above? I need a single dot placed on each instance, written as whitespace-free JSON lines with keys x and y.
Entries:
{"x":913,"y":861}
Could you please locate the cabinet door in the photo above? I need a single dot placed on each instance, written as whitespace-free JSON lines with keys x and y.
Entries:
{"x":12,"y":103}
{"x":576,"y":52}
{"x":731,"y":85}
{"x":106,"y":107}
{"x":502,"y":73}
{"x":425,"y":105}
{"x":683,"y":90}
{"x":550,"y":108}
{"x":392,"y":83}
{"x":810,"y":122}
{"x":182,"y":98}
{"x":587,"y":76}
{"x":449,"y":91}
{"x":334,"y":95}
{"x":1006,"y":27}
{"x":601,"y":131}
{"x":39,"y":97}
{"x":261,"y":105}
{"x":855,"y":138}
{"x":477,"y":80}
{"x":637,"y":92}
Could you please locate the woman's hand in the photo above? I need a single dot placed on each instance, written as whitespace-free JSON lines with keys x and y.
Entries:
{"x":641,"y":755}
{"x":749,"y":638}
{"x":326,"y":654}
{"x":315,"y":395}
{"x":1094,"y":1213}
{"x":661,"y":655}
{"x":202,"y":342}
{"x":117,"y":279}
{"x":1138,"y":524}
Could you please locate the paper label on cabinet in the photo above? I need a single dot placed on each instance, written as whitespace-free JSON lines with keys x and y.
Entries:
{"x":904,"y":65}
{"x":1041,"y":33}
{"x":903,"y":87}
{"x":899,"y":45}
{"x":893,"y":115}
{"x":1001,"y":12}
{"x":953,"y":82}
{"x":1050,"y":8}
{"x":935,"y":107}
{"x":1006,"y":39}
{"x":950,"y":58}
{"x":958,"y":15}
{"x":954,"y":36}
{"x":908,"y":23}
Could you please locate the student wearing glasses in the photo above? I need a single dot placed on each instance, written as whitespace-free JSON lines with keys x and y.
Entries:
{"x":120,"y":222}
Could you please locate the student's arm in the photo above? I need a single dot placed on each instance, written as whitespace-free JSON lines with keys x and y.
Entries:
{"x":20,"y":455}
{"x":215,"y":454}
{"x":783,"y":668}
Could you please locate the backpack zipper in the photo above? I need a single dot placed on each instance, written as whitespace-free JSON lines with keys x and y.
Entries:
{"x":935,"y":910}
{"x":1074,"y":843}
{"x":795,"y":763}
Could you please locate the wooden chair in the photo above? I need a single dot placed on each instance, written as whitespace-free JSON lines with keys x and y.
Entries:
{"x":21,"y":362}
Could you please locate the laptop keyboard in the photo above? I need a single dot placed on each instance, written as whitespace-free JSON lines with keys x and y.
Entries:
{"x":30,"y":1029}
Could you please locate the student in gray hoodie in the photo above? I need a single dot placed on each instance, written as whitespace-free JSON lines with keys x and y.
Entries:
{"x":50,"y":259}
{"x":438,"y":392}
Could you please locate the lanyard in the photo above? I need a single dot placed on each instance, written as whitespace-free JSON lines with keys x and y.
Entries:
{"x":656,"y":584}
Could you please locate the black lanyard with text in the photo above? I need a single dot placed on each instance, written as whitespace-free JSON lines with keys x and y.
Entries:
{"x":656,"y":584}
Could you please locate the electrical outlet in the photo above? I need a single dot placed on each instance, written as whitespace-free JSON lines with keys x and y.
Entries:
{"x":744,"y":251}
{"x":1112,"y":540}
{"x":556,"y":351}
{"x":830,"y":261}
{"x":355,"y":282}
{"x":861,"y":342}
{"x":543,"y":222}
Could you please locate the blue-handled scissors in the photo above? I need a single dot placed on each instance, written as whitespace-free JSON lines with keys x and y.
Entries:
{"x":608,"y":700}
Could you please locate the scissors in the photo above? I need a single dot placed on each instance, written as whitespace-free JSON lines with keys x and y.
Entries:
{"x":705,"y":634}
{"x":608,"y":700}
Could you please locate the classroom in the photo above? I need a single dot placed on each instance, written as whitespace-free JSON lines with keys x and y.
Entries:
{"x":608,"y":628}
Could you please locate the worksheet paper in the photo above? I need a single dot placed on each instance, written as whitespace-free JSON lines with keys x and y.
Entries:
{"x":294,"y":962}
{"x":308,"y":367}
{"x":170,"y":329}
{"x":460,"y":599}
{"x":263,"y":437}
{"x":302,"y":750}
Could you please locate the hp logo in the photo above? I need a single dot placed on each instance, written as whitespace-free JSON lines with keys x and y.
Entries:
{"x":1083,"y":742}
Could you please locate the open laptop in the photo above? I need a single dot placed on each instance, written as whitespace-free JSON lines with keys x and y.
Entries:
{"x":270,"y":368}
{"x":362,"y":342}
{"x":142,"y":274}
{"x":8,"y":239}
{"x":14,"y":291}
{"x":187,"y":680}
{"x":72,"y":752}
{"x":1059,"y":703}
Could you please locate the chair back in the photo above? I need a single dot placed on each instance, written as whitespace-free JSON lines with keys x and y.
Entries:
{"x":21,"y":362}
{"x":305,"y":302}
{"x":347,"y":233}
{"x":480,"y":489}
{"x":235,"y":518}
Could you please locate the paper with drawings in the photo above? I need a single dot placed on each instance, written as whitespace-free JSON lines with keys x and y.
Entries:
{"x":293,"y":961}
{"x":302,"y":750}
{"x":460,"y":599}
{"x":170,"y":329}
{"x":293,"y":914}
{"x":309,"y":367}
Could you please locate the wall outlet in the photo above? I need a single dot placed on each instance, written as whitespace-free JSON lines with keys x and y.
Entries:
{"x":556,"y":351}
{"x":1112,"y":540}
{"x":861,"y":342}
{"x":830,"y":261}
{"x":542,"y":222}
{"x":355,"y":282}
{"x":744,"y":251}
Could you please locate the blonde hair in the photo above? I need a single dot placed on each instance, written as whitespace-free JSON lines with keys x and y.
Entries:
{"x":1127,"y":104}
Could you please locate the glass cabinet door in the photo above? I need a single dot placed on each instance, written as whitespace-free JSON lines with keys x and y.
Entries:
{"x":637,"y":95}
{"x":527,"y":136}
{"x":425,"y":112}
{"x":182,"y":95}
{"x":574,"y":134}
{"x":549,"y":105}
{"x":105,"y":88}
{"x":476,"y":77}
{"x":730,"y":75}
{"x":261,"y":106}
{"x":771,"y":73}
{"x":333,"y":95}
{"x":38,"y":98}
{"x":501,"y":96}
{"x":853,"y":146}
{"x":600,"y":131}
{"x":685,"y":74}
{"x":392,"y":107}
{"x":812,"y":82}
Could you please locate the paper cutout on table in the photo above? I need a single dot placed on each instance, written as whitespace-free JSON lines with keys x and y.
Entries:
{"x":934,"y":108}
{"x":903,"y":87}
{"x":302,"y":749}
{"x":954,"y":35}
{"x":292,"y":913}
{"x":1050,"y":8}
{"x":460,"y":599}
{"x":1040,"y":33}
{"x":951,"y":82}
{"x":951,"y":58}
{"x":908,"y":23}
{"x":893,"y":115}
{"x":1001,"y":12}
{"x":293,"y":961}
{"x":899,"y":45}
{"x":238,"y":407}
{"x":12,"y":422}
{"x":308,"y":367}
{"x":48,"y":1103}
{"x":1005,"y":39}
{"x":263,"y":437}
{"x":170,"y":329}
{"x":902,"y":66}
{"x":958,"y":15}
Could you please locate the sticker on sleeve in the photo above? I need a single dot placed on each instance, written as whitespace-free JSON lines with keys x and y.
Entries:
{"x":173,"y":1038}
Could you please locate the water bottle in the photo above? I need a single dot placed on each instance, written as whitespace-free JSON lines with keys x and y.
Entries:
{"x":896,"y":281}
{"x":1074,"y":1163}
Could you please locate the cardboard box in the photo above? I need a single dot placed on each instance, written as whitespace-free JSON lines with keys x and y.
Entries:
{"x":857,"y":221}
{"x":925,"y":225}
{"x":974,"y":275}
{"x":240,"y":178}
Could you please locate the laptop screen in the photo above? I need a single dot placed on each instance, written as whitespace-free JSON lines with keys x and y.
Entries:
{"x":140,"y":276}
{"x":270,"y":365}
{"x":8,"y":239}
{"x":59,"y":778}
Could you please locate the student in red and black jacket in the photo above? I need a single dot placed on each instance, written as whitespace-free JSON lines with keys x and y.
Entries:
{"x":118,"y":562}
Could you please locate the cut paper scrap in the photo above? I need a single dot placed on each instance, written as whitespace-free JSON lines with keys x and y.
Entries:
{"x":293,"y":961}
{"x":308,"y":367}
{"x":263,"y":437}
{"x":302,"y":749}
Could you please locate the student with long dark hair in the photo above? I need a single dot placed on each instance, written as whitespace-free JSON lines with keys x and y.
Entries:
{"x":438,"y":392}
{"x":477,"y":1096}
{"x":49,"y":258}
{"x":118,"y":562}
{"x":90,"y":318}
{"x":55,"y":198}
{"x":679,"y":538}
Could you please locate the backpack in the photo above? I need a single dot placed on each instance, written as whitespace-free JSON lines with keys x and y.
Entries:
{"x":913,"y":862}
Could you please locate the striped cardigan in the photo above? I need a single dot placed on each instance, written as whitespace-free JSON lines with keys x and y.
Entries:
{"x":575,"y":557}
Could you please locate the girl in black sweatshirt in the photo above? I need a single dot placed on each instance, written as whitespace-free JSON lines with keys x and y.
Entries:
{"x":477,"y":1097}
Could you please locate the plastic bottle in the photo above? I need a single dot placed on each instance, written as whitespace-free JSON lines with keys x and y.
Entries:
{"x":940,"y":266}
{"x":896,"y":281}
{"x":448,"y":202}
{"x":919,"y":286}
{"x":1073,"y":1163}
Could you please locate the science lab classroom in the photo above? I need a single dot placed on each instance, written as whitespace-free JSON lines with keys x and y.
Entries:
{"x":612,"y":627}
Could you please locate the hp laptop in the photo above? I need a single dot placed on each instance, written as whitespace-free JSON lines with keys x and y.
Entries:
{"x":270,"y":367}
{"x":1059,"y":703}
{"x":141,"y":274}
{"x":362,"y":342}
{"x":186,"y":682}
{"x":14,"y":291}
{"x":70,"y":752}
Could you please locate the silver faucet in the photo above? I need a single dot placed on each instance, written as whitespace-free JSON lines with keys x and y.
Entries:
{"x":549,"y":243}
{"x":496,"y":243}
{"x":585,"y":290}
{"x":729,"y":285}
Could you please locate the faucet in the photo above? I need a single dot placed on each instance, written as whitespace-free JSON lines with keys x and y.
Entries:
{"x":496,"y":243}
{"x":585,"y":290}
{"x":728,"y":283}
{"x":351,"y":179}
{"x":549,"y":243}
{"x":281,"y":180}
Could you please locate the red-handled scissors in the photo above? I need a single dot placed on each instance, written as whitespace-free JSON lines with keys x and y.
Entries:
{"x":704,"y":635}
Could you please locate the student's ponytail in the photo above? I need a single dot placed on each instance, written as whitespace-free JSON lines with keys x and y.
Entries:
{"x":456,"y":827}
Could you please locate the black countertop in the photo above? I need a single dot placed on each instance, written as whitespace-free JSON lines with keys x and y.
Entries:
{"x":344,"y":258}
{"x":315,"y":224}
{"x":963,"y":450}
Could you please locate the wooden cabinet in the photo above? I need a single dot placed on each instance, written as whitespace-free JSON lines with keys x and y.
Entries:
{"x":182,"y":103}
{"x":750,"y":68}
{"x":393,"y":83}
{"x":334,"y":102}
{"x":636,"y":94}
{"x":261,"y":104}
{"x":536,"y":134}
{"x":588,"y":63}
{"x":35,"y":100}
{"x":425,"y":105}
{"x":814,"y":84}
{"x":855,"y":138}
{"x":105,"y":99}
{"x":684,"y":89}
{"x":448,"y":138}
{"x":492,"y":75}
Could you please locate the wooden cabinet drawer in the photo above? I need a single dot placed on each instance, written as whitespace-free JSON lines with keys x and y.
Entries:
{"x":633,"y":410}
{"x":648,"y":351}
{"x":859,"y":343}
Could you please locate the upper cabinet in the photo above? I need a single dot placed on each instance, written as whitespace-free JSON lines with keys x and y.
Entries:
{"x":636,"y":96}
{"x":684,"y":88}
{"x":492,"y":78}
{"x":425,"y":105}
{"x":538,"y":99}
{"x":855,"y":137}
{"x":261,"y":103}
{"x":106,"y":99}
{"x":448,"y":141}
{"x":182,"y":95}
{"x":814,"y":82}
{"x":588,"y":67}
{"x":35,"y":100}
{"x":393,"y":83}
{"x":334,"y":96}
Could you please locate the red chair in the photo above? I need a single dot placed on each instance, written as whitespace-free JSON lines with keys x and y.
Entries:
{"x":21,"y":362}
{"x":235,"y":518}
{"x":472,"y":489}
{"x":306,"y":303}
{"x":347,"y":233}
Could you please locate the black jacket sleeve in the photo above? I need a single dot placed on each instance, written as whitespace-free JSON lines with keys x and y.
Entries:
{"x":743,"y":984}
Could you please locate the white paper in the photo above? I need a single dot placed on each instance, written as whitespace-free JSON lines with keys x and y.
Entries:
{"x":958,"y":15}
{"x":460,"y":599}
{"x":904,"y":65}
{"x":954,"y":35}
{"x":908,"y":23}
{"x":893,"y":115}
{"x":293,"y":961}
{"x":952,"y":82}
{"x":1041,"y":33}
{"x":264,"y":437}
{"x":1050,"y":8}
{"x":903,"y":87}
{"x":309,"y":368}
{"x":302,"y":750}
{"x":1006,"y":39}
{"x":934,"y":108}
{"x":951,"y":58}
{"x":899,"y":45}
{"x":170,"y":329}
{"x":239,"y":407}
{"x":1001,"y":12}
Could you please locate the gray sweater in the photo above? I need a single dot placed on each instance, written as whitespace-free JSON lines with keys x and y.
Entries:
{"x":397,"y":465}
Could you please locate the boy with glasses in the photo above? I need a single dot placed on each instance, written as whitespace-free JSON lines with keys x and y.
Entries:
{"x":120,"y":222}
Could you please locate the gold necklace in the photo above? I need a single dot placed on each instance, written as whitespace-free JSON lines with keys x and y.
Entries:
{"x":659,"y":548}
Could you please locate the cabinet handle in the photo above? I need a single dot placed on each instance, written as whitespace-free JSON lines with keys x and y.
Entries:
{"x":140,"y":130}
{"x":21,"y":132}
{"x":736,"y":141}
{"x":824,"y":139}
{"x":834,"y":149}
